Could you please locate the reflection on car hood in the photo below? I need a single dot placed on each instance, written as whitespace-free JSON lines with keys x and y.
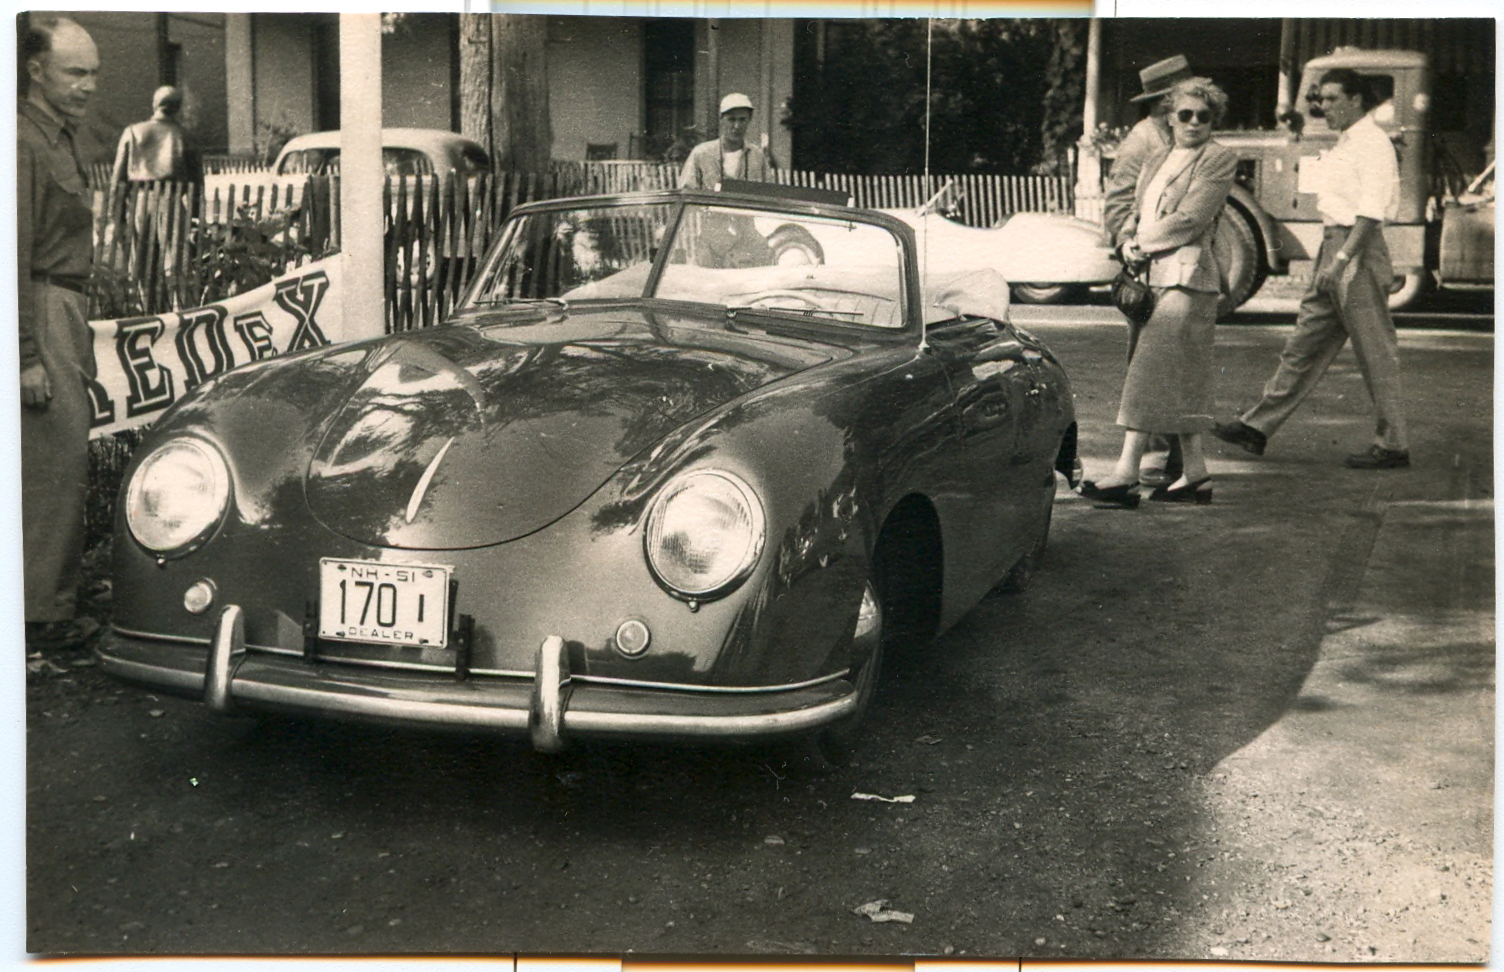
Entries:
{"x":462,"y":436}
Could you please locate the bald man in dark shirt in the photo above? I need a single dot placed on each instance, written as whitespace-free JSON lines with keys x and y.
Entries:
{"x":54,"y":251}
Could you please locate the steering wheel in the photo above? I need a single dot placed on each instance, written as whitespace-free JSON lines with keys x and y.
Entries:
{"x":802,"y":300}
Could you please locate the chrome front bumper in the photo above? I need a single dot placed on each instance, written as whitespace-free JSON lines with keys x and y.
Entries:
{"x":550,"y":708}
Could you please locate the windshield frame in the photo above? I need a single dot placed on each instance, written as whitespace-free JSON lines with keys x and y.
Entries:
{"x":681,"y":200}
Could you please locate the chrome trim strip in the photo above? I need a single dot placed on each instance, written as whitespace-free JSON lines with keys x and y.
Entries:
{"x":153,"y":636}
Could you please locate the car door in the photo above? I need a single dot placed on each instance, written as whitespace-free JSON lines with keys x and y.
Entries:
{"x":989,"y":371}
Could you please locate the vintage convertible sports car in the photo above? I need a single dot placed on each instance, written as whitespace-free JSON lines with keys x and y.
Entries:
{"x":1047,"y":258}
{"x":677,"y":468}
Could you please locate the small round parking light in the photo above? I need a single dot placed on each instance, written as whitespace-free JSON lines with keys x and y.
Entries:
{"x":198,"y":597}
{"x":632,"y":637}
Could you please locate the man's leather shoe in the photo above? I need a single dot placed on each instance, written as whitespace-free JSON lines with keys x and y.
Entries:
{"x":1378,"y":457}
{"x":1239,"y":434}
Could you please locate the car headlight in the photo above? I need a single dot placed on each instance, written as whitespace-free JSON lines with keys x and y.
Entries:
{"x":704,"y":533}
{"x":177,"y":495}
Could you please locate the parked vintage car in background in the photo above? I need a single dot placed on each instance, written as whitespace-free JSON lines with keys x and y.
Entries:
{"x":680,"y":467}
{"x":404,"y":152}
{"x":1047,"y":258}
{"x":1051,"y":258}
{"x":430,"y":156}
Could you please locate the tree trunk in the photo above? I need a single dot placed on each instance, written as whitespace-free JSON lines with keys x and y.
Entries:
{"x":504,"y":88}
{"x":524,"y":137}
{"x":475,"y":79}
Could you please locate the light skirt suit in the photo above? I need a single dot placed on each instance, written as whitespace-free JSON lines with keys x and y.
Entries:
{"x":1168,"y":388}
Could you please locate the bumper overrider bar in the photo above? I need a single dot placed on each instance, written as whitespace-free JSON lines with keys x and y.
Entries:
{"x":553,"y":707}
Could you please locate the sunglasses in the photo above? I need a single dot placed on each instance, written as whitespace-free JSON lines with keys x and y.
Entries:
{"x":1202,"y":116}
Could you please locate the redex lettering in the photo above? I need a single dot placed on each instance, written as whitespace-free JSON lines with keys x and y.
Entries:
{"x":256,"y":332}
{"x":151,"y":387}
{"x":301,"y":298}
{"x":202,"y":329}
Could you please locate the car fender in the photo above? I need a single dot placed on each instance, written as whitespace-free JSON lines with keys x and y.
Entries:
{"x":1040,"y":248}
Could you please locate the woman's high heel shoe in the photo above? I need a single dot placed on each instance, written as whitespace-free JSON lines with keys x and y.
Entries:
{"x":1198,"y":492}
{"x":1124,"y":497}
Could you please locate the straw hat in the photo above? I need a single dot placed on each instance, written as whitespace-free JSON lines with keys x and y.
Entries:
{"x":1159,"y":77}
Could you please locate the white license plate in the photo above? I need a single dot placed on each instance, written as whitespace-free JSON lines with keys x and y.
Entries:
{"x":384,"y":604}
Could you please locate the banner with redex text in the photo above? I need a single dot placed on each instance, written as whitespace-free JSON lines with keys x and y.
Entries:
{"x":147,"y":363}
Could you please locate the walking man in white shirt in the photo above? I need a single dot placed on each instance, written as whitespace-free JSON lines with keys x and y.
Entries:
{"x":1349,"y":292}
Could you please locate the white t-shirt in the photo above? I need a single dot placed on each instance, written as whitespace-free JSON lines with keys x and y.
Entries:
{"x":732,"y":163}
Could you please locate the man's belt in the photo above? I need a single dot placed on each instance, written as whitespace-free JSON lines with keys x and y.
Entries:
{"x":68,"y":281}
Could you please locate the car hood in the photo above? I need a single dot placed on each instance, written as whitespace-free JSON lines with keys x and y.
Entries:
{"x":473,"y":435}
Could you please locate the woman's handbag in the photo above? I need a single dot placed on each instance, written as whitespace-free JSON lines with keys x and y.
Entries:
{"x":1132,"y":294}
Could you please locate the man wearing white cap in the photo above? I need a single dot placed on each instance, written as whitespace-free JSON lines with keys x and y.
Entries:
{"x":727,"y":157}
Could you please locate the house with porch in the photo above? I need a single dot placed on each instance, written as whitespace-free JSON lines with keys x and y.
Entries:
{"x":618,"y":87}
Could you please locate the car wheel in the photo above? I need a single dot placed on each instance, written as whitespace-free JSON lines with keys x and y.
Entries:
{"x":1044,"y":293}
{"x":832,"y":747}
{"x":1019,"y":576}
{"x":1408,"y":289}
{"x":1239,"y":250}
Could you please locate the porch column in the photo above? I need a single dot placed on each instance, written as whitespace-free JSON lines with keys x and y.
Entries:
{"x":363,"y":308}
{"x":1088,"y":157}
{"x":240,"y":78}
{"x":1282,"y":101}
{"x":712,"y":108}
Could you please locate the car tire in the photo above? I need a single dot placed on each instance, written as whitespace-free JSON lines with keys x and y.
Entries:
{"x":1408,"y":289}
{"x":1044,"y":293}
{"x":1022,"y":573}
{"x":1239,"y":249}
{"x":832,"y":747}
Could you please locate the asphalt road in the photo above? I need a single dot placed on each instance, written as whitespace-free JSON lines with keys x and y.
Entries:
{"x":1259,"y":729}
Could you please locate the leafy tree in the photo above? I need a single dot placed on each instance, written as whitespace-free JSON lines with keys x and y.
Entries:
{"x":1002,"y":92}
{"x":1065,"y":94}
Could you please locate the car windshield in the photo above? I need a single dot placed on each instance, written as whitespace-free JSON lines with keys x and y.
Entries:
{"x":817,"y":267}
{"x":312,"y":161}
